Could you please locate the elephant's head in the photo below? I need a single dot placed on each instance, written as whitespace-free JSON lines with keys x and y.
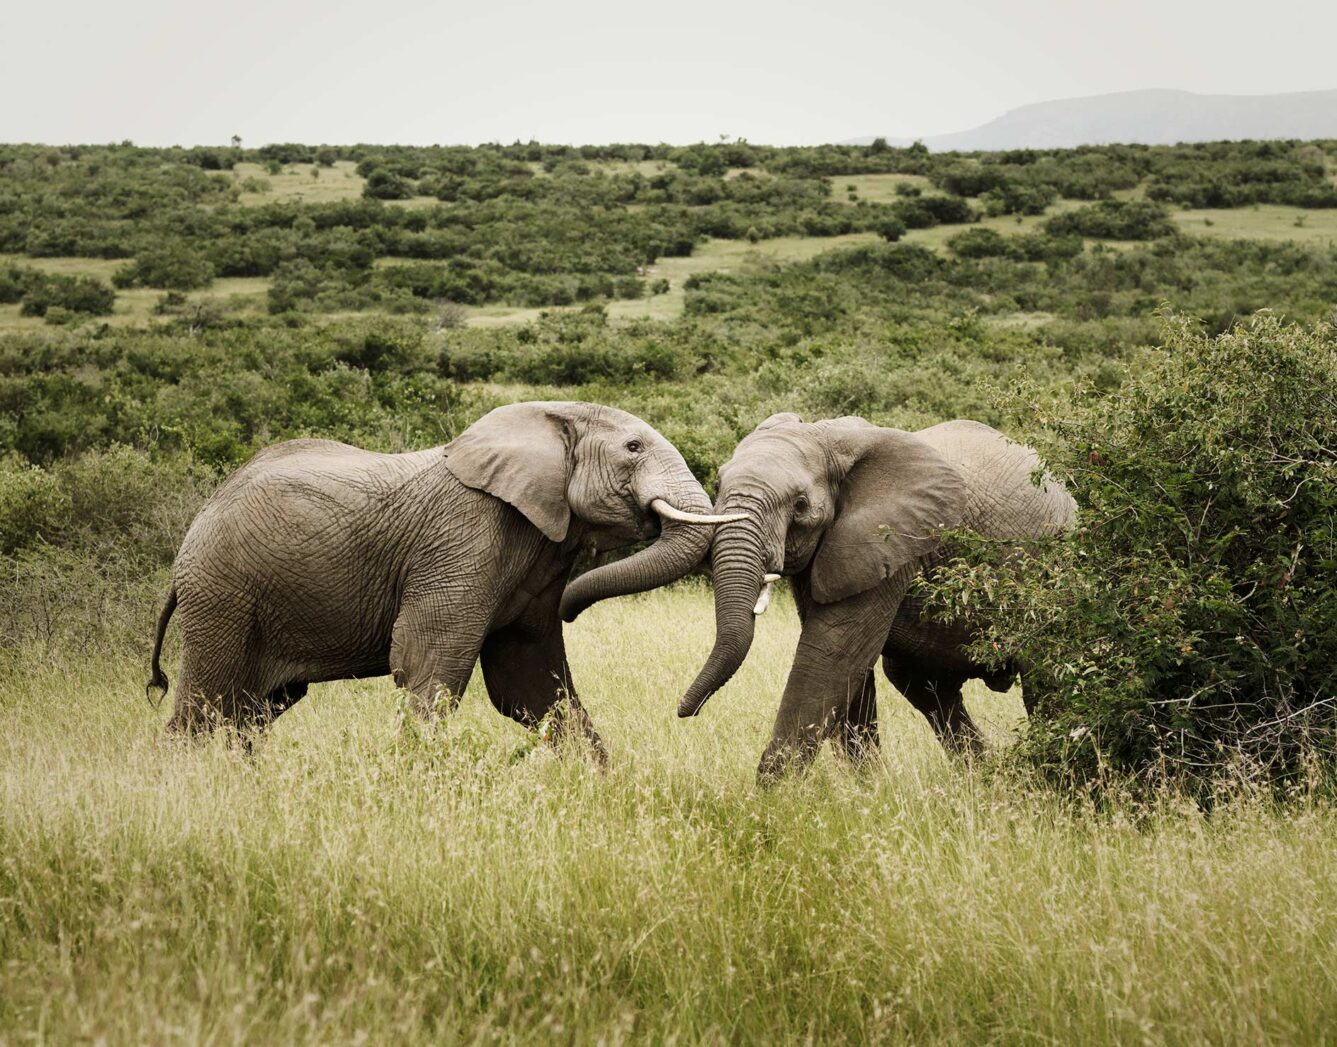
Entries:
{"x":848,"y":502}
{"x":558,"y":461}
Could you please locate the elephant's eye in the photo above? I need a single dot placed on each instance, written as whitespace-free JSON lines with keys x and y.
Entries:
{"x":801,"y":505}
{"x":635,"y":446}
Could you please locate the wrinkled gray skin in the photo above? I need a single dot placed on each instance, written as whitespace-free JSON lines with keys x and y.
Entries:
{"x":319,"y":561}
{"x":816,"y":495}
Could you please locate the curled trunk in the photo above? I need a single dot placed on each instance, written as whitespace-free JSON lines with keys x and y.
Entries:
{"x":678,"y":549}
{"x":737,"y":573}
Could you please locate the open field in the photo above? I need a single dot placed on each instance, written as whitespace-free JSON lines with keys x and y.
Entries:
{"x":937,"y":236}
{"x":366,"y":878}
{"x":239,"y":295}
{"x":304,"y":183}
{"x":725,"y":256}
{"x":358,"y":881}
{"x":1262,"y":222}
{"x":876,"y":188}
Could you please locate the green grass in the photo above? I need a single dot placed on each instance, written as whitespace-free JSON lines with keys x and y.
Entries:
{"x":355,"y":881}
{"x":936,"y":237}
{"x":1262,"y":222}
{"x":305,"y":183}
{"x":877,"y":188}
{"x":134,"y":306}
{"x":721,"y":256}
{"x":725,"y":256}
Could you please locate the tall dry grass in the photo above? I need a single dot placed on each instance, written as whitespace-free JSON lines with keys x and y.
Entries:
{"x":362,"y":879}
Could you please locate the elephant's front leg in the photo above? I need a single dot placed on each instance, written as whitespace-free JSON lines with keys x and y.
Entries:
{"x":433,"y":649}
{"x":857,"y":735}
{"x":527,"y":675}
{"x":836,"y":650}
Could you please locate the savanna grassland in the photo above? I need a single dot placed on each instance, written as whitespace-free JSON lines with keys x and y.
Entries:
{"x":365,"y":877}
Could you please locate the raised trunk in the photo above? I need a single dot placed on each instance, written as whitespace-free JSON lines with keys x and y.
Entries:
{"x":737,"y":572}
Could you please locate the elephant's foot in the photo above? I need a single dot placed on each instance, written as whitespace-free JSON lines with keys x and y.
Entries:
{"x":784,"y":758}
{"x":569,"y":719}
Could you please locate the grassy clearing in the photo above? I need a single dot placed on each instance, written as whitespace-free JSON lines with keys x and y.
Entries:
{"x":646,"y":168}
{"x":305,"y":183}
{"x":712,"y":255}
{"x":936,"y":237}
{"x":876,"y":188}
{"x":1262,"y":222}
{"x":725,"y":256}
{"x":356,"y":881}
{"x":134,"y":306}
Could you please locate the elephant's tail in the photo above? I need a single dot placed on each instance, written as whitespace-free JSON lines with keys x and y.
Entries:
{"x":158,"y":679}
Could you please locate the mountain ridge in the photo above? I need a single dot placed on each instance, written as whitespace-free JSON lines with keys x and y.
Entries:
{"x":1150,"y":116}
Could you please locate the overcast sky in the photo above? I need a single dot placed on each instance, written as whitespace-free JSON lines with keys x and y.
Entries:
{"x":773,"y":71}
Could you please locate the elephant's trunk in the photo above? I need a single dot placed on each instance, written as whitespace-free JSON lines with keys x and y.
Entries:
{"x":679,"y":548}
{"x":737,"y":573}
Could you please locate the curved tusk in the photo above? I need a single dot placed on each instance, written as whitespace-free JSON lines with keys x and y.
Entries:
{"x":668,"y":512}
{"x":767,"y":579}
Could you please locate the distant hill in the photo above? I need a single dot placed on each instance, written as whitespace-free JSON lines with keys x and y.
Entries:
{"x":1153,"y":117}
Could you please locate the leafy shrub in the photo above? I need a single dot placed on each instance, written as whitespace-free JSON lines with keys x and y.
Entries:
{"x":71,"y":295}
{"x":891,"y":229}
{"x":13,"y":284}
{"x":1187,"y":629}
{"x":1114,"y":220}
{"x":979,"y":243}
{"x":1030,"y":247}
{"x":173,"y":265}
{"x":383,"y":184}
{"x":1018,"y":198}
{"x":32,"y":505}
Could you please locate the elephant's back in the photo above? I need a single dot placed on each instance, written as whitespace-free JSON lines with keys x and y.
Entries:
{"x":1004,"y":500}
{"x":329,"y":462}
{"x":300,"y":493}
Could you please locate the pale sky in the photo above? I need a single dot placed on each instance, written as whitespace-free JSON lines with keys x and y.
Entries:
{"x":163,"y":72}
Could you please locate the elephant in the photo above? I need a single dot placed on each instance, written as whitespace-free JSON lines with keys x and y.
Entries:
{"x":318,"y":561}
{"x":852,"y":514}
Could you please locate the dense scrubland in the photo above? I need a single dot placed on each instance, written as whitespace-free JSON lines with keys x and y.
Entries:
{"x":1151,"y":860}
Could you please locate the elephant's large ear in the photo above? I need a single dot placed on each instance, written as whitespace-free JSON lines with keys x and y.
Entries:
{"x":894,"y":481}
{"x":521,"y":454}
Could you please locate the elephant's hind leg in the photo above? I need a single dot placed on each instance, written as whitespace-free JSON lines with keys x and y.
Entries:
{"x":215,"y":690}
{"x":259,"y":715}
{"x":938,"y":698}
{"x":857,"y":736}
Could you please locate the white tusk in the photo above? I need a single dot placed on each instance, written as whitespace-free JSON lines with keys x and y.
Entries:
{"x":764,"y":600}
{"x":668,"y":512}
{"x":767,"y":579}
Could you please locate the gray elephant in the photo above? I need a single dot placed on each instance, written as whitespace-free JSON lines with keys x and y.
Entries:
{"x":851,"y":513}
{"x":320,"y":561}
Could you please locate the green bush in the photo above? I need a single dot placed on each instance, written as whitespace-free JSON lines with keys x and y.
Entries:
{"x":383,"y":184}
{"x":1014,"y":198}
{"x":1187,"y":629}
{"x":1114,"y":220}
{"x":66,"y":296}
{"x":33,"y":508}
{"x":979,"y":243}
{"x":176,"y":266}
